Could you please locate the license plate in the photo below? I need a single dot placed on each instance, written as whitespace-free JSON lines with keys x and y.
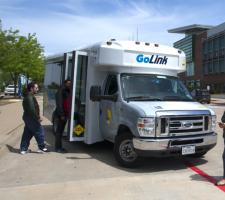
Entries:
{"x":188,"y":150}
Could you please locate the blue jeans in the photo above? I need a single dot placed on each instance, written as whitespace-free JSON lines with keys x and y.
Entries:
{"x":32,"y":128}
{"x":59,"y":132}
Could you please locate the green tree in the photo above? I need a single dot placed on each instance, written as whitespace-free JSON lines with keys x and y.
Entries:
{"x":32,"y":58}
{"x":4,"y":80}
{"x":21,"y":55}
{"x":10,"y":58}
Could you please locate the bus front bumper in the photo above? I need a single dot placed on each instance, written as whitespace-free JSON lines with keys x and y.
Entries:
{"x":173,"y":146}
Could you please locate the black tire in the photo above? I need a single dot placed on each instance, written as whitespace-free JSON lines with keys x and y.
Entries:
{"x":54,"y":123}
{"x":124,"y":151}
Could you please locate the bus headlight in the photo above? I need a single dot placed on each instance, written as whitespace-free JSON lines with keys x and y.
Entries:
{"x":146,"y":127}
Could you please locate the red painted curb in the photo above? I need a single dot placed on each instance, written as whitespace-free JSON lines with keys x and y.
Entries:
{"x":204,"y":175}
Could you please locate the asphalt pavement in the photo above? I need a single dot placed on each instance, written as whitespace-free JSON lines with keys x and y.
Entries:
{"x":91,"y":172}
{"x":10,"y":122}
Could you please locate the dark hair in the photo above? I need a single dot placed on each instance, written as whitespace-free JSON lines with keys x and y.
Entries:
{"x":67,"y":80}
{"x":30,"y":85}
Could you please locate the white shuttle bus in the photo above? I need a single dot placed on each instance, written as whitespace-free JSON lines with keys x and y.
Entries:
{"x":128,"y":93}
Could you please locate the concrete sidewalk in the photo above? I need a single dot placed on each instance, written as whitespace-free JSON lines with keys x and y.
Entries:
{"x":219,"y":101}
{"x":91,"y":172}
{"x":11,"y":124}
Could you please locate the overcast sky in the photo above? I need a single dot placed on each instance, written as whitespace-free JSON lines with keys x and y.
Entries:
{"x":65,"y":25}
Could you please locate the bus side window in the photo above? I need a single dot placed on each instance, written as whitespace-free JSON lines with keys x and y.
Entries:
{"x":111,"y":85}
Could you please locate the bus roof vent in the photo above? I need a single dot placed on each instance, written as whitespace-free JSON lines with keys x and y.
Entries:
{"x":108,"y":42}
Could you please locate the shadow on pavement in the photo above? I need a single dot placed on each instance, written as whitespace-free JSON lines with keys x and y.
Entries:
{"x":12,"y":149}
{"x":17,"y":151}
{"x":103,"y":151}
{"x":212,"y":179}
{"x":216,"y":102}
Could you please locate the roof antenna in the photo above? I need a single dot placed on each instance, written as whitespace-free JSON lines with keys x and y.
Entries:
{"x":137,"y":32}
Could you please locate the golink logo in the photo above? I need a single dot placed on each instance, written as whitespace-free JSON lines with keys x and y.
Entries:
{"x":153,"y":59}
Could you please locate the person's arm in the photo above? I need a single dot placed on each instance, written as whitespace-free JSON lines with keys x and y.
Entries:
{"x":223,"y":118}
{"x":59,"y":103}
{"x":29,"y":107}
{"x":222,"y":123}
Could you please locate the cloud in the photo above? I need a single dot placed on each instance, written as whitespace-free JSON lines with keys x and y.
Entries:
{"x":66,"y":25}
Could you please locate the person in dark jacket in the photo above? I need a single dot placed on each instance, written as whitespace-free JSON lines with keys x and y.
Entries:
{"x":63,"y":98}
{"x":222,"y":125}
{"x":32,"y":120}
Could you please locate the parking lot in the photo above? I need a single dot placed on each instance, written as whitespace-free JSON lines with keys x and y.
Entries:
{"x":91,"y":172}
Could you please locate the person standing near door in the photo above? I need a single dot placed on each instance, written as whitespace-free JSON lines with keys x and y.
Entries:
{"x":32,"y":120}
{"x":63,"y":104}
{"x":222,"y":125}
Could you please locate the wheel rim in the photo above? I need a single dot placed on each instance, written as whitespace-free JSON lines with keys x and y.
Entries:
{"x":126,"y":151}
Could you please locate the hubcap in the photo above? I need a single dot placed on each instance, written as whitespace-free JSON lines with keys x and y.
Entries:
{"x":127,"y":152}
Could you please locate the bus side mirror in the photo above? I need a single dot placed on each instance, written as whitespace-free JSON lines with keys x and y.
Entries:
{"x":95,"y":93}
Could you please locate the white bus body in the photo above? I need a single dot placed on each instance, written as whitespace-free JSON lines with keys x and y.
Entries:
{"x":128,"y":93}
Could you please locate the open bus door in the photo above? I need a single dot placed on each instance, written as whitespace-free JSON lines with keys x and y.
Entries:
{"x":76,"y":122}
{"x":60,"y":70}
{"x":57,"y":69}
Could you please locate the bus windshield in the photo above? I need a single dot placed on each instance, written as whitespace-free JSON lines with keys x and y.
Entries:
{"x":149,"y":87}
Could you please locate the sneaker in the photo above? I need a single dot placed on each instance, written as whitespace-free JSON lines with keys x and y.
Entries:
{"x":24,"y":152}
{"x":44,"y":150}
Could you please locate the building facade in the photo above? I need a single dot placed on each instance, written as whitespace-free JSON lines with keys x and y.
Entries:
{"x":213,"y":59}
{"x":204,"y":49}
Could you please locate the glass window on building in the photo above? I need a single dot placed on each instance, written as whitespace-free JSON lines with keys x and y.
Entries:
{"x":205,"y":47}
{"x":215,"y":47}
{"x":210,"y":46}
{"x":221,"y":46}
{"x":216,"y":66}
{"x":205,"y":50}
{"x":205,"y":68}
{"x":222,"y":42}
{"x":186,"y":45}
{"x":216,"y":44}
{"x":210,"y":67}
{"x":190,"y":69}
{"x":222,"y":65}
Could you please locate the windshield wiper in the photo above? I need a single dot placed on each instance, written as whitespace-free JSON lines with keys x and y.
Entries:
{"x":176,"y":98}
{"x":143,"y":98}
